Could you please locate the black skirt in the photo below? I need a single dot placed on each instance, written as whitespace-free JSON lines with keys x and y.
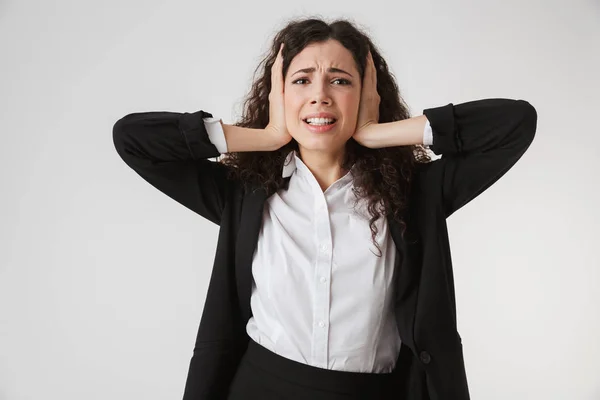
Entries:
{"x":264,"y":375}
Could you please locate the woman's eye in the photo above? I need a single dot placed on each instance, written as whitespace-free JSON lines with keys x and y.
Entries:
{"x":343,"y":81}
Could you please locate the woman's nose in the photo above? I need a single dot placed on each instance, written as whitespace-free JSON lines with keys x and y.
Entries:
{"x":320,"y":94}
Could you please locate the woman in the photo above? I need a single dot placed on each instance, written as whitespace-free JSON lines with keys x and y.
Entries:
{"x":325,"y":166}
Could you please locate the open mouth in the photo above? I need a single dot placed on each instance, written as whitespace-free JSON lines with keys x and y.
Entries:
{"x":320,"y":122}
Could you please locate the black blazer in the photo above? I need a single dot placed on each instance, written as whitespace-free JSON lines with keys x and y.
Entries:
{"x":479,"y":142}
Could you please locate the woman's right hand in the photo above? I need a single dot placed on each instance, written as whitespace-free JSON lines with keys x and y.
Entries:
{"x":277,"y":126}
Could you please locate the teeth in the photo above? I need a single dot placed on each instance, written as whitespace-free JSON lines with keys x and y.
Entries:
{"x":320,"y":121}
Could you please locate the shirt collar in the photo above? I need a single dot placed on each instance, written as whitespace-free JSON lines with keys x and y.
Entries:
{"x":289,"y":165}
{"x":294,"y":163}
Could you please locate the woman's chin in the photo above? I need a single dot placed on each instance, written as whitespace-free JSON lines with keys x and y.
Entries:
{"x":325,"y":141}
{"x":320,"y":144}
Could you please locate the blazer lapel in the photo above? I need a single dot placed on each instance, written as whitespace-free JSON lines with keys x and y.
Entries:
{"x":407,"y":275}
{"x":247,"y":238}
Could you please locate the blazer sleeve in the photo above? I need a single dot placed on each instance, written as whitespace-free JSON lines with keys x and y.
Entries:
{"x":170,"y":151}
{"x":479,"y":142}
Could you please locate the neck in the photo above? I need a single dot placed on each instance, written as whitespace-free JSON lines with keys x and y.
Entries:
{"x":326,"y":166}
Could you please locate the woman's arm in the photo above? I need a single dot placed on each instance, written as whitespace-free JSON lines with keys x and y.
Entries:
{"x":479,"y":142}
{"x":170,"y":151}
{"x":405,"y":132}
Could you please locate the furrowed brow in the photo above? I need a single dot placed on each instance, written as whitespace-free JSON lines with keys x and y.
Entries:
{"x":331,"y":69}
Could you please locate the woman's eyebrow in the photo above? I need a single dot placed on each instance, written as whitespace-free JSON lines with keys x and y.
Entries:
{"x":330,"y":69}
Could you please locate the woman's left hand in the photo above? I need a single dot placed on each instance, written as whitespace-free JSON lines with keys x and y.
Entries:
{"x":368,"y":110}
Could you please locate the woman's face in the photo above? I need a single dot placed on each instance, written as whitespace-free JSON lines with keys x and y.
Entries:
{"x":332,"y":85}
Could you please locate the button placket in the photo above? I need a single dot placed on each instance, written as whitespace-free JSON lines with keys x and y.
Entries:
{"x":322,"y":291}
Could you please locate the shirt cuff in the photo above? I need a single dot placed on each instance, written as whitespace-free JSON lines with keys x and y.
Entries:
{"x":215,"y":133}
{"x":427,"y":134}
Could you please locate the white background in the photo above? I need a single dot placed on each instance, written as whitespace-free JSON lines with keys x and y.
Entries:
{"x":103,"y":278}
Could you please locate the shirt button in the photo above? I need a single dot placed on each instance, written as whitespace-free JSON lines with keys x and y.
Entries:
{"x":425,"y":357}
{"x":324,"y":247}
{"x":323,"y":279}
{"x":321,"y":324}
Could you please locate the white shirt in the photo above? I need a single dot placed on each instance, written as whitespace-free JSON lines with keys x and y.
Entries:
{"x":320,"y":295}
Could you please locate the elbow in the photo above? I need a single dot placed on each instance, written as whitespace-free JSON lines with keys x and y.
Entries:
{"x":119,"y":132}
{"x":528,"y":119}
{"x":117,"y":135}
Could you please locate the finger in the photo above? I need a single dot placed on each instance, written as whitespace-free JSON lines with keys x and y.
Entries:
{"x":280,"y":68}
{"x":276,"y":62}
{"x":366,"y":76}
{"x":368,"y":79}
{"x":277,"y":71}
{"x":373,"y":72}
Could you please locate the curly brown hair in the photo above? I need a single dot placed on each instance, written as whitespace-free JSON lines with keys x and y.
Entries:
{"x":381,"y":176}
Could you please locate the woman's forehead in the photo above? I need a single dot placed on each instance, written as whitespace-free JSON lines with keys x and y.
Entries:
{"x":322,"y":56}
